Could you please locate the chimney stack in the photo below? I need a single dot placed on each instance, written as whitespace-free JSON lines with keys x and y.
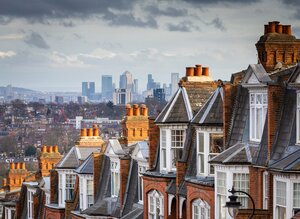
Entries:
{"x":189,"y":71}
{"x":279,"y":28}
{"x":272,"y":27}
{"x":144,"y":110}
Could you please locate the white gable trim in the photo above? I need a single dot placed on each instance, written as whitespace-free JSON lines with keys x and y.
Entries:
{"x":187,"y":103}
{"x":252,"y":79}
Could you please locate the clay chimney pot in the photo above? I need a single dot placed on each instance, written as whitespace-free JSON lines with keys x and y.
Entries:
{"x":12,"y":166}
{"x":55,"y":149}
{"x":95,"y":131}
{"x":18,"y":166}
{"x":50,"y":149}
{"x":23,"y":166}
{"x":136,"y":110}
{"x":272,"y":27}
{"x":83,"y":132}
{"x":4,"y":182}
{"x":279,"y":28}
{"x":90,"y":132}
{"x":198,"y":70}
{"x":44,"y":149}
{"x":189,"y":71}
{"x":128,"y":108}
{"x":266,"y":28}
{"x":205,"y":71}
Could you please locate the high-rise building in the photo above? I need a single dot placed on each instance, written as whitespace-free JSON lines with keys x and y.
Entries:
{"x":151,"y":84}
{"x":159,"y":95}
{"x":135,"y":88}
{"x":107,"y":87}
{"x":174,"y":82}
{"x":121,"y":96}
{"x":126,"y":81}
{"x":88,"y":89}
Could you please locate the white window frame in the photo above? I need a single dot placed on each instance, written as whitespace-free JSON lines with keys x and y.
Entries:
{"x":266,"y":190}
{"x":242,"y":183}
{"x":221,"y":194}
{"x":115,"y":176}
{"x":155,"y":202}
{"x":84,"y":179}
{"x":62,"y":185}
{"x":9,"y":212}
{"x":298,"y":118}
{"x":254,"y":103}
{"x":142,"y":167}
{"x":280,"y":196}
{"x":205,"y":155}
{"x":290,"y":180}
{"x":200,"y":209}
{"x":47,"y":198}
{"x":169,"y":146}
{"x":30,"y":193}
{"x":229,"y":170}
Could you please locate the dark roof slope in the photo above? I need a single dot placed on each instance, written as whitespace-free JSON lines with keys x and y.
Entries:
{"x":290,"y":163}
{"x":87,"y":167}
{"x":212,"y":112}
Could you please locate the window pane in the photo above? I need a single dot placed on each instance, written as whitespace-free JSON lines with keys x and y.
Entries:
{"x":258,"y":123}
{"x":241,"y":182}
{"x":201,"y":142}
{"x":296,"y":195}
{"x":280,"y":193}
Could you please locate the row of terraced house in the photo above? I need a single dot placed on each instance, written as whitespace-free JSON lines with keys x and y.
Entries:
{"x":211,"y":136}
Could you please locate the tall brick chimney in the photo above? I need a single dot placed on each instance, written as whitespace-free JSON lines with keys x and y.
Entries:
{"x":135,"y":124}
{"x":277,"y":45}
{"x":48,"y":158}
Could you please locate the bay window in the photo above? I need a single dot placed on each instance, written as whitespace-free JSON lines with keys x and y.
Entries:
{"x":30,"y":203}
{"x":201,"y":210}
{"x":142,"y":169}
{"x":155,"y":205}
{"x":258,"y":111}
{"x":90,"y":192}
{"x":171,"y":141}
{"x":296,"y":196}
{"x":115,"y":177}
{"x":280,"y":208}
{"x":86,"y":188}
{"x":241,"y":183}
{"x":66,"y":184}
{"x":221,"y":195}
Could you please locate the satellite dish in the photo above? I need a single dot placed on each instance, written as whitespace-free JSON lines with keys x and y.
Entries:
{"x":278,"y":66}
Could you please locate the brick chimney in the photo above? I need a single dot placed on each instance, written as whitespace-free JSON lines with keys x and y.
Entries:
{"x":197,"y":74}
{"x":135,"y":124}
{"x":153,"y":141}
{"x":277,"y":45}
{"x":48,"y":158}
{"x":15,"y":176}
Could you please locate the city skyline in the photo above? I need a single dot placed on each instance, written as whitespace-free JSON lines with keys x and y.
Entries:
{"x":56,"y":46}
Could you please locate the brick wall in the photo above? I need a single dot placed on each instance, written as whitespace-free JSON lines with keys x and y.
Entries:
{"x":256,"y":186}
{"x":275,"y":101}
{"x":71,"y":204}
{"x":51,"y":213}
{"x":159,"y":184}
{"x":53,"y":186}
{"x":124,"y":170}
{"x":205,"y":193}
{"x":180,"y":171}
{"x":153,"y":141}
{"x":259,"y":214}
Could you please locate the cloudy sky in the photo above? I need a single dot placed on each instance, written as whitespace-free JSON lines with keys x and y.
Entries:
{"x":53,"y":45}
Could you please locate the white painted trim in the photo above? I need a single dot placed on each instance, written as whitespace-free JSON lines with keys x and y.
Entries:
{"x":170,"y":199}
{"x":181,"y":201}
{"x":187,"y":103}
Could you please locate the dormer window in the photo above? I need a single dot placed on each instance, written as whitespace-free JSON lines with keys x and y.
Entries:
{"x":298,"y":118}
{"x":66,"y":184}
{"x":209,"y":144}
{"x":258,"y":112}
{"x":171,"y":141}
{"x":115,"y":177}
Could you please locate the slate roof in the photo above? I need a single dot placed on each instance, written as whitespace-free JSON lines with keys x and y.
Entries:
{"x":171,"y":188}
{"x":295,"y":73}
{"x":286,"y":134}
{"x":212,"y":112}
{"x":75,"y":156}
{"x":259,"y":71}
{"x":185,"y":104}
{"x":289,"y":163}
{"x":87,"y":167}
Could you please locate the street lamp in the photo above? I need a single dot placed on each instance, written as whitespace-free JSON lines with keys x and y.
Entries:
{"x":233,"y":205}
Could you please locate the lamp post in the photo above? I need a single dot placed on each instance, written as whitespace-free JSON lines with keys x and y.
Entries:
{"x":233,"y":205}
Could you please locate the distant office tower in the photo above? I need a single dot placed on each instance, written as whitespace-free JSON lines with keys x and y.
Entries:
{"x":82,"y":99}
{"x":59,"y":99}
{"x":121,"y":96}
{"x":174,"y":82}
{"x":126,"y":81}
{"x":107,"y":87}
{"x":159,"y":95}
{"x":88,"y":89}
{"x":151,"y":84}
{"x":135,"y":88}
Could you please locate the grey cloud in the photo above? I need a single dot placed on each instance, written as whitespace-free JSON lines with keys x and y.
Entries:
{"x":217,"y":23}
{"x":211,"y":2}
{"x":5,"y":20}
{"x":129,"y":20}
{"x":36,"y":40}
{"x":154,"y":10}
{"x":67,"y":24}
{"x":185,"y":26}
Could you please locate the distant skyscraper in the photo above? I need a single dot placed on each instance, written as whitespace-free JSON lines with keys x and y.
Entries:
{"x":135,"y":86}
{"x":159,"y":95}
{"x":88,"y":89}
{"x":174,"y":82}
{"x":151,"y":84}
{"x":59,"y":99}
{"x":126,"y":81}
{"x":121,"y":96}
{"x":107,"y":87}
